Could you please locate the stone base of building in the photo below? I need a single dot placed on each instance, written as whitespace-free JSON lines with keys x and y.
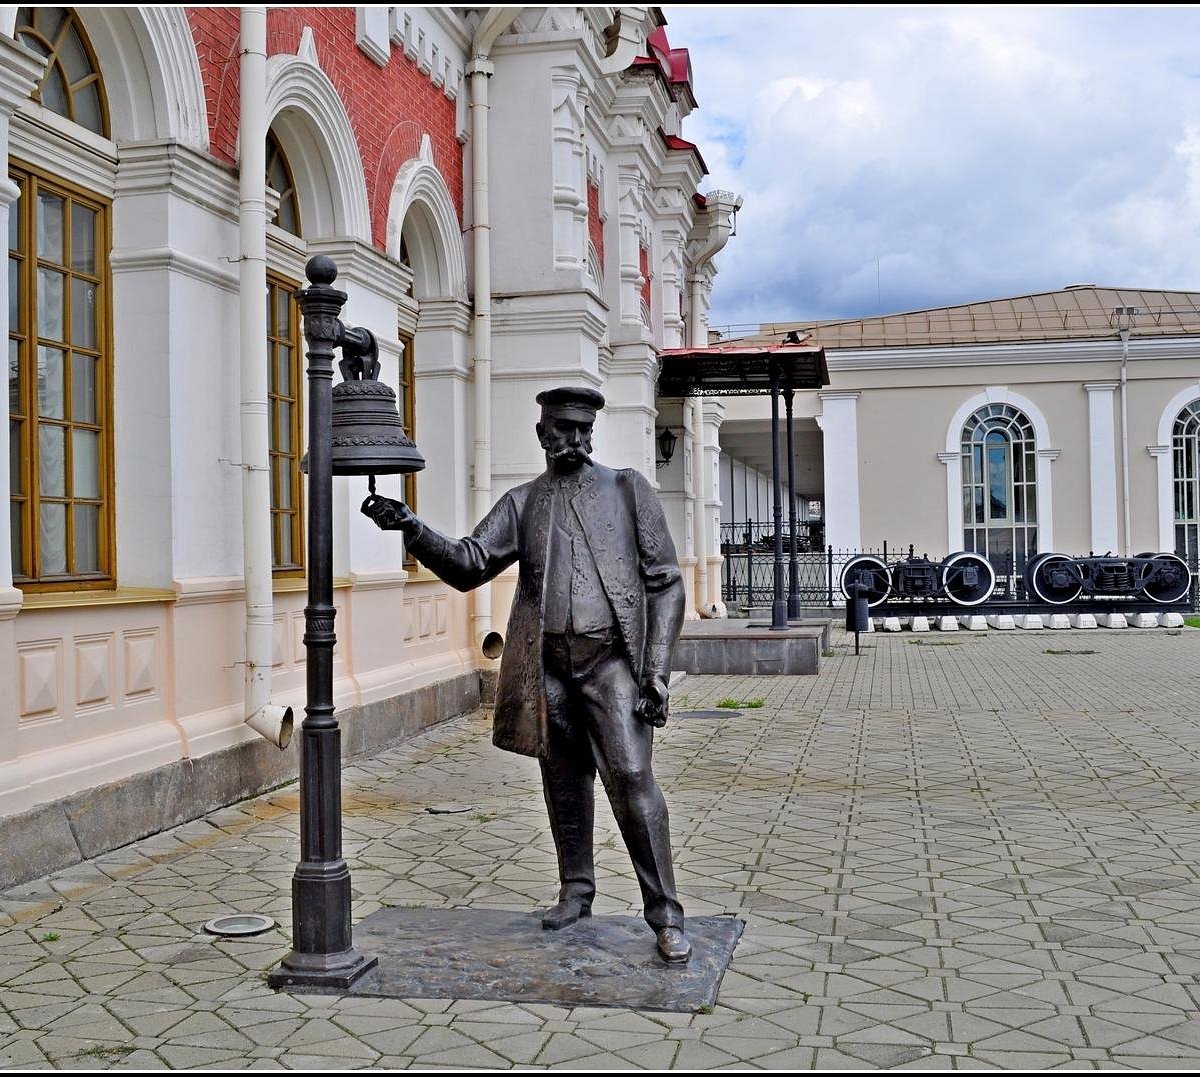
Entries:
{"x":85,"y":824}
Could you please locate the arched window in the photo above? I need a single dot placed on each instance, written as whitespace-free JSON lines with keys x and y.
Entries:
{"x":71,"y":85}
{"x":1185,"y":457}
{"x":284,"y":380}
{"x":999,"y":478}
{"x":59,"y":336}
{"x":279,"y":178}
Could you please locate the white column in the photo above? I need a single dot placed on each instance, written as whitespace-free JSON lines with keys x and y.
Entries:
{"x":19,"y":72}
{"x":954,"y":515}
{"x":1102,"y":465}
{"x":839,"y":426}
{"x":1166,"y":500}
{"x":713,"y":414}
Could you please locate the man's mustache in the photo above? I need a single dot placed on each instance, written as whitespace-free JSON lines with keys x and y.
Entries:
{"x":571,"y":451}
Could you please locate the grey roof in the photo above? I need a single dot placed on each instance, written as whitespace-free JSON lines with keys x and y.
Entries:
{"x":1075,"y":312}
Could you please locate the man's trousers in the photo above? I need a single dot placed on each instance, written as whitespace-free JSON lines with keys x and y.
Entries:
{"x":591,"y":695}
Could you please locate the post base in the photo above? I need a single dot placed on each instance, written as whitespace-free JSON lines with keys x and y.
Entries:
{"x":318,"y":972}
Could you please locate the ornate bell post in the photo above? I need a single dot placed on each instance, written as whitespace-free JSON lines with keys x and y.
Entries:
{"x":354,"y":428}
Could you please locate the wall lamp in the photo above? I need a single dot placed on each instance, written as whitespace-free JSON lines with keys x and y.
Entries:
{"x":667,"y":440}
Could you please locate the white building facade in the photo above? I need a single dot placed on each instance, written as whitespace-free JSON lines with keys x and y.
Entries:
{"x":512,"y":206}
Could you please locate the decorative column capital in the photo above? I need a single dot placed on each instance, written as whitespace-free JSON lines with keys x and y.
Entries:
{"x":1101,"y":386}
{"x":20,"y":71}
{"x":949,"y":457}
{"x":1049,"y":454}
{"x":1158,"y":450}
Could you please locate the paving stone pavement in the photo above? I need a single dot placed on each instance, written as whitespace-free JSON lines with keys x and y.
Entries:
{"x":950,"y":854}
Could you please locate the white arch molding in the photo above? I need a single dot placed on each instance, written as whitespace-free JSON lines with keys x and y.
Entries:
{"x":311,"y":123}
{"x":147,"y":57}
{"x":952,"y":458}
{"x":1162,"y":459}
{"x":422,"y":211}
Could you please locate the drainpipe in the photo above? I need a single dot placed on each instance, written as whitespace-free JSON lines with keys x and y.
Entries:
{"x":1125,"y":435}
{"x":494,"y":22}
{"x":270,"y":721}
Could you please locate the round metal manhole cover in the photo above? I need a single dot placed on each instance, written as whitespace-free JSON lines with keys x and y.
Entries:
{"x":707,"y":714}
{"x":240,"y":924}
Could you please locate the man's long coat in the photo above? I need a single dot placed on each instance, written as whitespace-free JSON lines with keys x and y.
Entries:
{"x":626,"y":531}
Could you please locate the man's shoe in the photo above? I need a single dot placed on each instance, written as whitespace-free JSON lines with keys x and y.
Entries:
{"x":565,"y":913}
{"x":673,"y":945}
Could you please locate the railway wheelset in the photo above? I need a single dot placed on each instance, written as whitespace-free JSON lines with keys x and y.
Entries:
{"x":968,"y":579}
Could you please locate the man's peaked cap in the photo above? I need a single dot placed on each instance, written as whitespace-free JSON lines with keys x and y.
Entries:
{"x":571,"y":402}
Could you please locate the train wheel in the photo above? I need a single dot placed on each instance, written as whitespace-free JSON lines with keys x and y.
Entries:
{"x":1168,"y":580}
{"x":967,"y":579}
{"x":869,"y":572}
{"x":1049,"y":578}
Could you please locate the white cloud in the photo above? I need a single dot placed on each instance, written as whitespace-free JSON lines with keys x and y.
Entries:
{"x":973,"y":152}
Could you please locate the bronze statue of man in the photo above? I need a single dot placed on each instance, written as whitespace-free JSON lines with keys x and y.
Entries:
{"x":598,"y":608}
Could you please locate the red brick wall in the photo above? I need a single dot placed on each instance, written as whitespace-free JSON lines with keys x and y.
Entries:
{"x":644,"y":269}
{"x":390,"y":108}
{"x":595,"y":225}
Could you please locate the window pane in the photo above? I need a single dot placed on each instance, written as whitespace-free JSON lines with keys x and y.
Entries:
{"x":54,"y":92}
{"x":52,"y":536}
{"x":87,"y":538}
{"x":283,"y":482}
{"x":285,"y":541}
{"x":85,"y":464}
{"x":979,"y":504}
{"x":14,"y":295}
{"x":15,"y":471}
{"x":283,"y":426}
{"x":18,"y":547}
{"x":1019,"y":504}
{"x":997,"y":479}
{"x":15,"y":405}
{"x":282,"y":313}
{"x":52,"y":460}
{"x":50,"y":227}
{"x":50,"y":304}
{"x":83,"y":313}
{"x":83,"y":388}
{"x":83,"y":238}
{"x":283,"y":370}
{"x":74,"y":59}
{"x":49,"y":21}
{"x":51,"y":374}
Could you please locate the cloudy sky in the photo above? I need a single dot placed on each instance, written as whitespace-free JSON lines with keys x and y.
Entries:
{"x":898,"y":158}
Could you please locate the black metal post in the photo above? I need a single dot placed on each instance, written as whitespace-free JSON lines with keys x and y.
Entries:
{"x":779,"y":600}
{"x":323,"y":954}
{"x":793,"y":599}
{"x":749,"y":567}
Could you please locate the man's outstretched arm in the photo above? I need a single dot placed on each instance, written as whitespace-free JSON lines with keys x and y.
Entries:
{"x":463,"y":563}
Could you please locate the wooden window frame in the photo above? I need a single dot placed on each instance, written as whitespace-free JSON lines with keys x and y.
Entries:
{"x":276,"y":284}
{"x":24,"y":332}
{"x":54,"y":65}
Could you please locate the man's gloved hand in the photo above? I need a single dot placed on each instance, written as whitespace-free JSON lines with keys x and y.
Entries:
{"x":652,"y":707}
{"x":390,"y":515}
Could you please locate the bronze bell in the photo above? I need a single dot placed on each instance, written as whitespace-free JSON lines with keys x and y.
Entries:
{"x":368,"y":435}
